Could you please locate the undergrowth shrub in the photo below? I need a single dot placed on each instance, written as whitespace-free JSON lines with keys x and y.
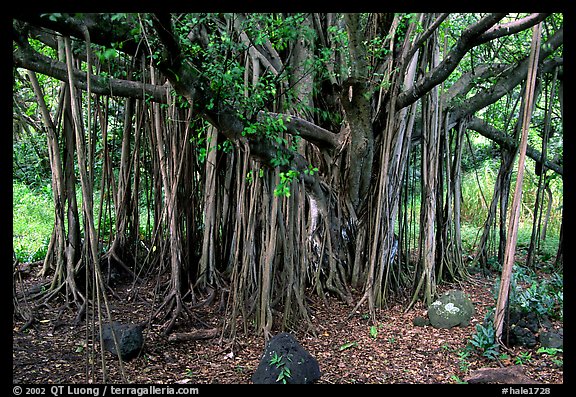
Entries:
{"x":483,"y":341}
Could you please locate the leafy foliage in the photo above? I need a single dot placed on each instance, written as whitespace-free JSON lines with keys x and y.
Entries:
{"x":543,"y":295}
{"x":279,"y":361}
{"x":483,"y":340}
{"x":286,"y":179}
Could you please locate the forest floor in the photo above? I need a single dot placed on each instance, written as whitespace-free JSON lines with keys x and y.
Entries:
{"x":53,"y":350}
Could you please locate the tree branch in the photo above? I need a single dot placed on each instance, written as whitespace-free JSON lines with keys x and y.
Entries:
{"x":508,"y":80}
{"x":440,"y":73}
{"x":477,"y":34}
{"x":265,"y":53}
{"x":424,"y":36}
{"x":307,"y":130}
{"x":102,"y":29}
{"x":466,"y":82}
{"x":508,"y":142}
{"x":509,"y":28}
{"x":32,"y":60}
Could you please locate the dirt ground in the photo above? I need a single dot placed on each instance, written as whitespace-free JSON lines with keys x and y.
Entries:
{"x":53,"y":350}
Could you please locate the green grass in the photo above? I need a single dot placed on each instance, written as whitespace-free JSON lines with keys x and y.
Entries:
{"x":33,"y":220}
{"x":32,"y":223}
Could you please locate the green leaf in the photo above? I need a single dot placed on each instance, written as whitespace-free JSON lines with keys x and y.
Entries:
{"x":118,"y":16}
{"x":373,"y":332}
{"x":549,"y":350}
{"x":348,"y":345}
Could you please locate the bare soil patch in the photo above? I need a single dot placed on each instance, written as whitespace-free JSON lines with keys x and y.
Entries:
{"x":53,"y":350}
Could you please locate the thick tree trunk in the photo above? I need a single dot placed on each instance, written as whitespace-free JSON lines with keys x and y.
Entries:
{"x":207,"y":266}
{"x":355,"y":101}
{"x":431,"y":127}
{"x":450,"y":266}
{"x":168,"y":143}
{"x":429,"y":172}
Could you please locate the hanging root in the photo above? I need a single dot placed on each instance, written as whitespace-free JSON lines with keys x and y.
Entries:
{"x":171,"y":309}
{"x":113,"y":254}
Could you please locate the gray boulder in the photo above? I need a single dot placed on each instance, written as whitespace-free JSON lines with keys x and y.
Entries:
{"x":129,"y":337}
{"x":453,"y":308}
{"x":554,"y":338}
{"x":285,"y":361}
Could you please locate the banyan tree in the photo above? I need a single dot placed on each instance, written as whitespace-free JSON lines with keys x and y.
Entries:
{"x":252,"y":160}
